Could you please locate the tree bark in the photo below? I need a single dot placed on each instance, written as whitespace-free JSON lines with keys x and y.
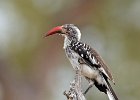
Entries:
{"x":75,"y":92}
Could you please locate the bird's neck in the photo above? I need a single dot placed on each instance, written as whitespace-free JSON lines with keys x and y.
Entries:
{"x":67,"y":41}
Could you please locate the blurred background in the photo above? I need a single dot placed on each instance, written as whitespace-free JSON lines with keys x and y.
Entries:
{"x":34,"y":68}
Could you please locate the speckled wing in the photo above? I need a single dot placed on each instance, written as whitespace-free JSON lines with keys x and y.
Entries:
{"x":103,"y":67}
{"x":91,"y":57}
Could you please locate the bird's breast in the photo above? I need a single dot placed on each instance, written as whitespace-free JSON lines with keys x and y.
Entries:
{"x":73,"y":57}
{"x":89,"y":72}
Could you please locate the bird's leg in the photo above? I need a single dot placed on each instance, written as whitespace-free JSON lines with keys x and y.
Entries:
{"x":91,"y":83}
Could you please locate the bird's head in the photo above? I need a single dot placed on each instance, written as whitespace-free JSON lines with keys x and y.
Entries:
{"x":68,"y":31}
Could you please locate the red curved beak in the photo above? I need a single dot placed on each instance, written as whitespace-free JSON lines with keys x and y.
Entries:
{"x":55,"y":30}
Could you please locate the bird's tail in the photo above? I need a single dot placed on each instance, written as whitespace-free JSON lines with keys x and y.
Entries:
{"x":110,"y":92}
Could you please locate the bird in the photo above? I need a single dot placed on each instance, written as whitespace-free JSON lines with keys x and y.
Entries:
{"x":83,"y":56}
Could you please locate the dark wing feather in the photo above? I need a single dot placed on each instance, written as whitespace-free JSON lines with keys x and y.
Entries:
{"x":102,"y":64}
{"x":91,"y":57}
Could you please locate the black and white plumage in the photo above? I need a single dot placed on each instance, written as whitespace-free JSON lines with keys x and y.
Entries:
{"x":83,"y":56}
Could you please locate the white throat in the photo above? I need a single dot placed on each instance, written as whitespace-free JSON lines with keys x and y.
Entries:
{"x":66,"y":42}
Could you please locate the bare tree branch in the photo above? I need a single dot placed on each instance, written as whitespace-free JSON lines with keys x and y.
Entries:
{"x":75,"y":92}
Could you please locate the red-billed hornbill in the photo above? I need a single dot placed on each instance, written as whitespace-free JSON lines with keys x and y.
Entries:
{"x":83,"y":56}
